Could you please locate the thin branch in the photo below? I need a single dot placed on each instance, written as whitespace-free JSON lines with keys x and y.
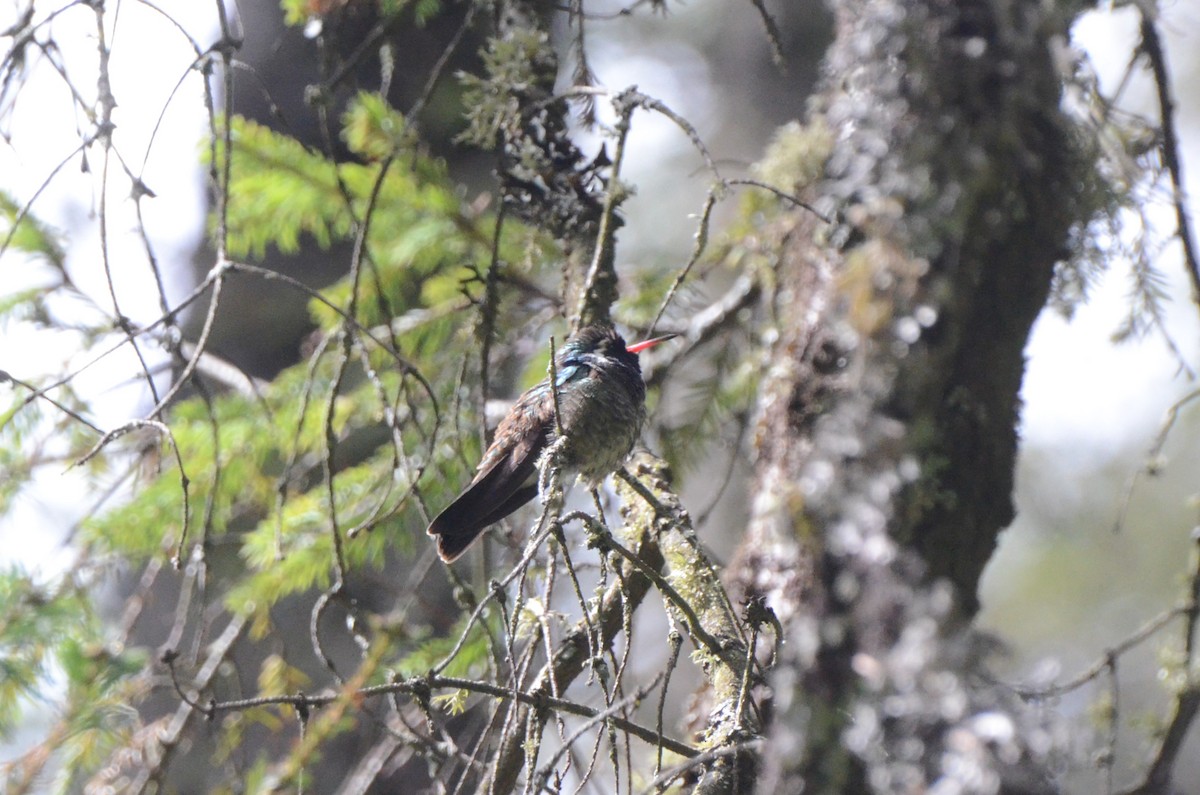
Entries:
{"x":1152,"y":46}
{"x":771,"y":28}
{"x":1187,"y":700}
{"x":600,"y":538}
{"x":218,"y":278}
{"x":40,"y":393}
{"x":592,"y":305}
{"x":664,"y":780}
{"x":698,"y":248}
{"x":435,"y":74}
{"x":437,"y":682}
{"x":169,"y":739}
{"x":787,"y":197}
{"x":1152,"y":465}
{"x":1101,"y":665}
{"x":574,"y":652}
{"x":184,"y":482}
{"x":406,"y":367}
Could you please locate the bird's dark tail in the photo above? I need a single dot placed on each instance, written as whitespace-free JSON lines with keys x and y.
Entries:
{"x":492,"y":496}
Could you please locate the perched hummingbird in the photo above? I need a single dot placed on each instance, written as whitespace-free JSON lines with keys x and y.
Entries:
{"x":601,"y":407}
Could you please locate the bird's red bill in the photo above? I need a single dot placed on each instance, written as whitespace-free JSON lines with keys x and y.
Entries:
{"x":638,"y":347}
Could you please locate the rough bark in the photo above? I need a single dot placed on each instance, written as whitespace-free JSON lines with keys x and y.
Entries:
{"x":887,"y":428}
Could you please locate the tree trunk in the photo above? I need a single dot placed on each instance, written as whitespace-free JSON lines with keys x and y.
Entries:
{"x":887,"y":437}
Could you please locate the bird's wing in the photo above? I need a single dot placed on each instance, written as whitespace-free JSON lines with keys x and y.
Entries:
{"x":504,"y":484}
{"x":572,"y":369}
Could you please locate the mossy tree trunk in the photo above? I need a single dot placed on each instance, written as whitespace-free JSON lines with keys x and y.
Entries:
{"x":887,"y":431}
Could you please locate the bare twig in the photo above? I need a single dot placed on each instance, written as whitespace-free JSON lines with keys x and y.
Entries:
{"x":773,"y":38}
{"x":184,"y":482}
{"x":170,"y":737}
{"x":600,"y":538}
{"x":1152,"y":46}
{"x":36,"y":393}
{"x":698,"y":248}
{"x":1186,"y":705}
{"x":1153,"y":464}
{"x":663,"y":780}
{"x":1101,"y":665}
{"x":435,"y":682}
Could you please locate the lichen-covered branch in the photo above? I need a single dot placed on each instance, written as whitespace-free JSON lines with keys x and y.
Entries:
{"x":545,"y":178}
{"x":648,"y":502}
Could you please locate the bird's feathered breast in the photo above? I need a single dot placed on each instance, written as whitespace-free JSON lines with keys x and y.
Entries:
{"x":601,"y":407}
{"x":601,"y":404}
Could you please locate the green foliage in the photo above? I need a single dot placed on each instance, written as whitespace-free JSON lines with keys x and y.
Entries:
{"x":17,"y":424}
{"x":235,"y":450}
{"x":709,"y":408}
{"x":270,"y":479}
{"x":236,"y":458}
{"x":292,"y":553}
{"x":331,"y":469}
{"x":423,"y":10}
{"x":298,"y":12}
{"x":34,"y":624}
{"x":267,"y":476}
{"x":472,"y":655}
{"x":281,"y":190}
{"x":230,"y":443}
{"x":52,"y":652}
{"x":22,"y":304}
{"x":27,"y":234}
{"x":423,"y":241}
{"x":374,"y":129}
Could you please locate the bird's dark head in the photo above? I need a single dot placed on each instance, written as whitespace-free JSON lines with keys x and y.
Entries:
{"x":594,"y":344}
{"x":595,"y":339}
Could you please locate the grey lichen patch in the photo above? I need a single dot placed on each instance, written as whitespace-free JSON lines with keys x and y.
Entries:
{"x":512,"y":108}
{"x":516,"y":63}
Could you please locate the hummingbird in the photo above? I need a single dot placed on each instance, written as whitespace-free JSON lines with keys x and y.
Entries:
{"x":601,"y":408}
